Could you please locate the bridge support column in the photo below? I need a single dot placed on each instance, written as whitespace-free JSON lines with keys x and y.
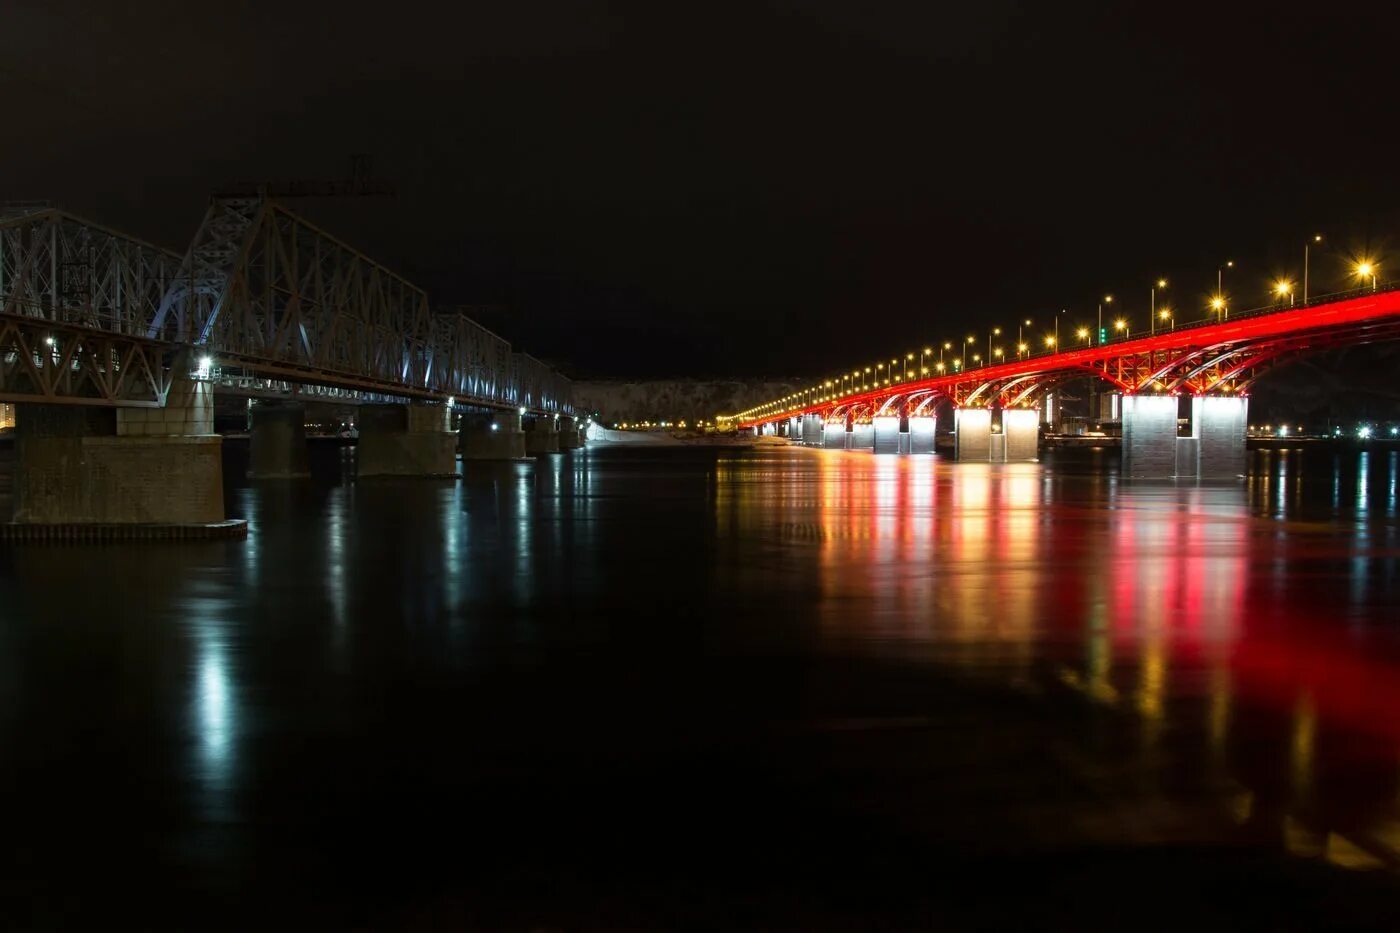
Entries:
{"x":1150,"y":437}
{"x":1219,"y":424}
{"x":835,"y":436}
{"x":277,"y":440}
{"x":972,"y":434}
{"x":812,"y":430}
{"x":885,"y":429}
{"x":570,"y":434}
{"x":494,"y":436}
{"x":862,"y":437}
{"x":541,"y":435}
{"x":406,"y":440}
{"x":1020,"y":432}
{"x":140,"y":466}
{"x":922,"y":430}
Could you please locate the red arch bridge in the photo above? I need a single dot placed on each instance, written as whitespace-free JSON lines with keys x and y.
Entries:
{"x":113,"y":351}
{"x":1182,"y":394}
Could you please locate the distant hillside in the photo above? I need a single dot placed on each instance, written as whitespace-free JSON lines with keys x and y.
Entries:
{"x":675,"y":399}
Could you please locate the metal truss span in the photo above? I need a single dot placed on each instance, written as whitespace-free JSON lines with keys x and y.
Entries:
{"x":91,"y":316}
{"x":1212,"y":358}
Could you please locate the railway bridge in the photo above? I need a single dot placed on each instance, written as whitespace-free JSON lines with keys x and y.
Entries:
{"x":1180,"y":390}
{"x":112,"y":351}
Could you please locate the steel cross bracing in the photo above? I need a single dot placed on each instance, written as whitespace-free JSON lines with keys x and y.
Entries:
{"x":92,"y":317}
{"x":75,"y":302}
{"x":1223,"y":357}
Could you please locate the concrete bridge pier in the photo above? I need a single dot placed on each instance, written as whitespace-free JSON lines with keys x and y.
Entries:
{"x":972,"y":434}
{"x":1208,"y":443}
{"x":862,"y":436}
{"x":277,"y":440}
{"x":974,"y":437}
{"x":406,"y":440}
{"x":885,"y":434}
{"x":541,"y":435}
{"x":78,"y":465}
{"x":812,"y":431}
{"x":836,"y":436}
{"x":1020,"y":433}
{"x":570,"y":433}
{"x":922,"y":431}
{"x":491,"y":436}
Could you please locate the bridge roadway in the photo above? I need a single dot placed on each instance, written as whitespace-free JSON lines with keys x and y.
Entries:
{"x":1183,"y":391}
{"x":113,"y":349}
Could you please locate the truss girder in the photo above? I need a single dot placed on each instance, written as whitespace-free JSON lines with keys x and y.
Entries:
{"x":261,"y":290}
{"x":74,"y":365}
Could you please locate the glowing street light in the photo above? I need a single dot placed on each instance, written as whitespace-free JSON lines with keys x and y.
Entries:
{"x":1050,"y":341}
{"x":1083,"y":334}
{"x":1121,"y":325}
{"x":1217,"y":304}
{"x":1366,"y":269}
{"x":1021,"y":348}
{"x":1166,"y":315}
{"x":1284,"y":289}
{"x":1152,"y":309}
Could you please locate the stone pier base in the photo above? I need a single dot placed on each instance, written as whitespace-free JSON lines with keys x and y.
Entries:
{"x":277,"y":441}
{"x":491,"y":437}
{"x":91,"y":466}
{"x":406,"y":440}
{"x":541,"y":436}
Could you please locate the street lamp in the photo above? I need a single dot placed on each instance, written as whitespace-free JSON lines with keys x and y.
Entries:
{"x":1020,"y":337}
{"x":1166,"y":315}
{"x":1365,"y":269}
{"x":966,"y":344}
{"x":1152,"y":311}
{"x":1021,"y":347}
{"x":1050,"y":341}
{"x":1121,"y":325}
{"x":1284,"y":289}
{"x":997,"y":332}
{"x":1083,"y":334}
{"x":1107,"y":300}
{"x":1317,"y":238}
{"x":1217,"y":304}
{"x":1220,"y":276}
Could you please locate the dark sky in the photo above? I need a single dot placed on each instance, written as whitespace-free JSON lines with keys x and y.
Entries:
{"x":774,"y":187}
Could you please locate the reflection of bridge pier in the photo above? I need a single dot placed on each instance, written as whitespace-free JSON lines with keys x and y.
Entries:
{"x":277,"y":440}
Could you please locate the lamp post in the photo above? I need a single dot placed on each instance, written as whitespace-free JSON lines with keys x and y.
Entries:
{"x":1152,"y":313}
{"x":1284,"y":289}
{"x":1220,"y":276}
{"x":1020,"y":336}
{"x":1166,"y":315}
{"x":1107,"y":300}
{"x":1083,"y":334}
{"x":1217,"y":304}
{"x":1121,"y":325}
{"x":1021,"y":348}
{"x":994,"y":331}
{"x":966,"y":343}
{"x":1317,"y":238}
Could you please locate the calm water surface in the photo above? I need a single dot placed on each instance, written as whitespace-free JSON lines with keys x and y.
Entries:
{"x":709,"y":688}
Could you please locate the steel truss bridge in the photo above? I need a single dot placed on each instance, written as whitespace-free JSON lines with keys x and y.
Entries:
{"x":264,"y":304}
{"x":1209,"y":358}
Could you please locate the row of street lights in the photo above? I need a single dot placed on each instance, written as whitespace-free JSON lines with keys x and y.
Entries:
{"x":882,"y":374}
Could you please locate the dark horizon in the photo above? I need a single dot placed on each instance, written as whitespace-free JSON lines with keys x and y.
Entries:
{"x":772,"y":190}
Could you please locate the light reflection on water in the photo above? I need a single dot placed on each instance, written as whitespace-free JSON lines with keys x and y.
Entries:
{"x":1243,"y":634}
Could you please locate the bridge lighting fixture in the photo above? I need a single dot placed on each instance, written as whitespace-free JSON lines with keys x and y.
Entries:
{"x":1364,"y":431}
{"x":49,"y":341}
{"x":497,"y":427}
{"x":522,"y":409}
{"x":1120,"y":324}
{"x":1049,"y":341}
{"x":1082,"y":333}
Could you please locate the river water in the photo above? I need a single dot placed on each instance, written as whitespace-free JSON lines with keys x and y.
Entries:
{"x":719,"y":688}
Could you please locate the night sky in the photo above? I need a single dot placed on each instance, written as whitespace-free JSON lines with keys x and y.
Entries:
{"x":764,"y":188}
